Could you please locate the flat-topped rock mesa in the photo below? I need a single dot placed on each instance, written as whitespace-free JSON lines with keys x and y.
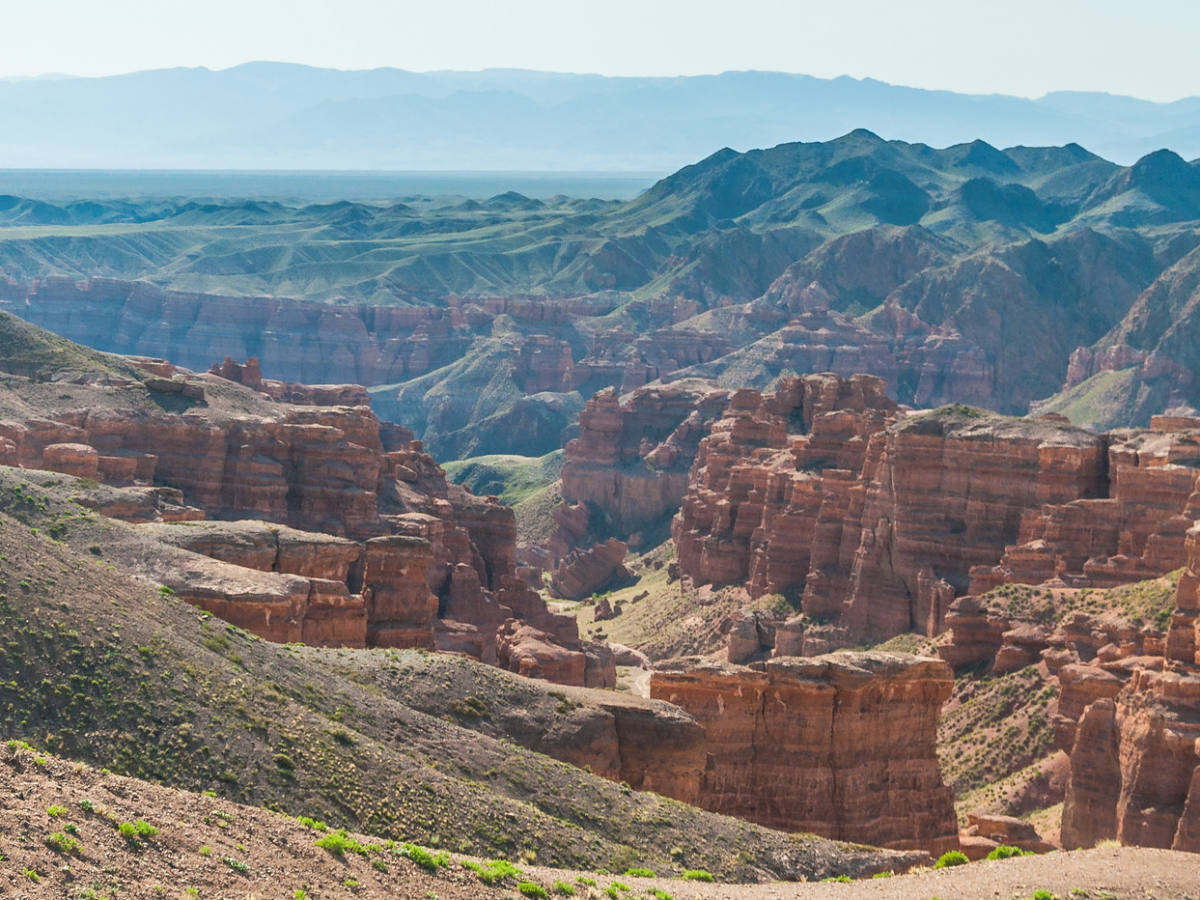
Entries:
{"x":1135,"y":531}
{"x":1132,"y":727}
{"x":841,"y":745}
{"x":385,"y":551}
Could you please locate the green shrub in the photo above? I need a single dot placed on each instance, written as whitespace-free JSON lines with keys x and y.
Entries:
{"x":136,"y":831}
{"x":1006,"y":851}
{"x":55,"y":811}
{"x":841,"y":879}
{"x":236,"y":864}
{"x":62,"y":843}
{"x":951,"y":858}
{"x":660,"y":894}
{"x":430,"y":862}
{"x":640,"y":872}
{"x":562,"y":889}
{"x":585,"y":881}
{"x":494,"y":871}
{"x":887,"y":874}
{"x":1042,"y":894}
{"x":338,"y":842}
{"x":531,"y":889}
{"x":697,"y":875}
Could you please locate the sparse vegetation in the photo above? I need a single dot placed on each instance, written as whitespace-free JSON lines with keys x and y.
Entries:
{"x":950,"y":859}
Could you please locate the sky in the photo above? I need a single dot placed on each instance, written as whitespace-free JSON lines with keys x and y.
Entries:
{"x":1023,"y":47}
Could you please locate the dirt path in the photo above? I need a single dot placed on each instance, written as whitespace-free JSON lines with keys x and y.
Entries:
{"x":1101,"y":874}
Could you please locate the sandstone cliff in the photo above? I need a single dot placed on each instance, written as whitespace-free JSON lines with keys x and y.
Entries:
{"x":875,"y":521}
{"x":1135,"y":746}
{"x":380,"y":551}
{"x":840,"y":745}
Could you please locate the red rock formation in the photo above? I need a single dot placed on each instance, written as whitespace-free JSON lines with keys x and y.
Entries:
{"x":1135,"y":749}
{"x":382,"y":549}
{"x":765,"y":474}
{"x":631,"y":460}
{"x":583,"y":572}
{"x":840,"y":745}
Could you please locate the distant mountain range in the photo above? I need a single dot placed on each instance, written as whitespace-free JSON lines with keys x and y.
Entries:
{"x":965,"y":274}
{"x":279,"y":116}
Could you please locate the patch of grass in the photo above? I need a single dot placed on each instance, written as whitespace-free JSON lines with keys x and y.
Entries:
{"x":951,"y":858}
{"x":63,"y":843}
{"x":339,"y":843}
{"x":430,"y":862}
{"x":532,"y":889}
{"x":1006,"y":851}
{"x":562,"y":889}
{"x":697,"y":875}
{"x":640,"y":872}
{"x":137,"y":831}
{"x":494,"y":871}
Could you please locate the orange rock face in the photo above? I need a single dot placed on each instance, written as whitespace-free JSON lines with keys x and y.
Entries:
{"x":877,"y":521}
{"x":631,"y":460}
{"x":770,"y":483}
{"x":840,"y":745}
{"x":582,"y":572}
{"x":336,"y":531}
{"x":1135,"y":749}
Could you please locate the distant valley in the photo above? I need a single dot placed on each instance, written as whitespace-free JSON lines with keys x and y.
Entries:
{"x":1002,"y":278}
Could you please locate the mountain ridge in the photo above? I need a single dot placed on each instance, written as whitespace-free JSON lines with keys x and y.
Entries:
{"x":291,"y":116}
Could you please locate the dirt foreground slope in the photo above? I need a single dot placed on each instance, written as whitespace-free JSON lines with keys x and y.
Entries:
{"x":210,"y":848}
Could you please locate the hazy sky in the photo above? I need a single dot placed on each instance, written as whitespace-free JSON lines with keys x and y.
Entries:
{"x":1026,"y":47}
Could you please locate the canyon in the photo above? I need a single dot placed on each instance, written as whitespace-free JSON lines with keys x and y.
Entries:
{"x":872,"y":519}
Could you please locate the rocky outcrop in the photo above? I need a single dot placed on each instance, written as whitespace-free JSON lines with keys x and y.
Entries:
{"x":628,"y":469}
{"x":295,"y":340}
{"x":840,"y":745}
{"x":583,"y":572}
{"x":877,"y":521}
{"x":765,"y":473}
{"x":1136,"y":531}
{"x":1135,"y":748}
{"x":334,"y":529}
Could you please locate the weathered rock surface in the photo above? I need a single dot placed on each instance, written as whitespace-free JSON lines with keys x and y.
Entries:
{"x":877,"y":521}
{"x":841,"y":745}
{"x":334,"y":530}
{"x":1135,"y":750}
{"x":630,"y":462}
{"x":581,"y":573}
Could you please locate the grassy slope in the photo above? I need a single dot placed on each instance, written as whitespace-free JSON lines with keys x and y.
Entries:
{"x":528,"y":484}
{"x":105,"y":669}
{"x":1110,"y":400}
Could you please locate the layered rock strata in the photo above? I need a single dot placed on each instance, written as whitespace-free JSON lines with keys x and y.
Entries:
{"x":1135,"y":744}
{"x":876,"y":520}
{"x":627,"y":471}
{"x":841,"y":745}
{"x":336,"y":530}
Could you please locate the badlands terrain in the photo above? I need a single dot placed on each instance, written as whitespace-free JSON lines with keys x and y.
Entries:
{"x":826,"y":512}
